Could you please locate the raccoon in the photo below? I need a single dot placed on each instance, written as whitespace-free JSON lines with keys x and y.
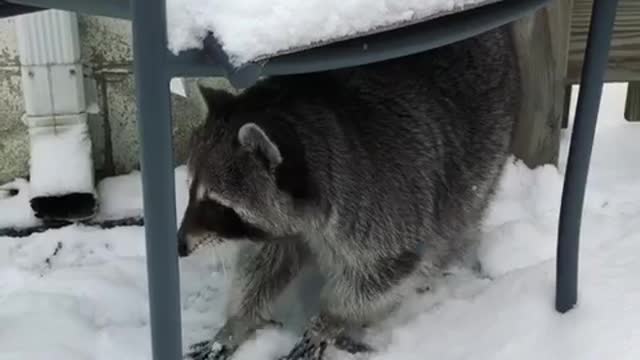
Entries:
{"x":378,"y":174}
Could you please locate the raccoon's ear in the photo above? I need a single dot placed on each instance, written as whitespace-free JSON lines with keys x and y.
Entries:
{"x":253,"y":138}
{"x":214,"y":100}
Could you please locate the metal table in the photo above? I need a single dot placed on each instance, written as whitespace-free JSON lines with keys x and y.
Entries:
{"x":154,"y":66}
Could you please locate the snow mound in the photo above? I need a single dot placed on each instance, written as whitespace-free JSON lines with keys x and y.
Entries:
{"x":15,"y":211}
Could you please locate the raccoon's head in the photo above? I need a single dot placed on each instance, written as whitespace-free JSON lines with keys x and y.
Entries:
{"x":248,"y":175}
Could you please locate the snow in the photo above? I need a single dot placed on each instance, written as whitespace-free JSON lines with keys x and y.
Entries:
{"x":252,"y":29}
{"x":121,"y":196}
{"x":15,"y":210}
{"x":118,"y":197}
{"x":80,"y":292}
{"x":61,"y":160}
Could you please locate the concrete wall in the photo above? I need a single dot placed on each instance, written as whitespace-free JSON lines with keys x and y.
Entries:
{"x":106,"y":54}
{"x":14,"y":147}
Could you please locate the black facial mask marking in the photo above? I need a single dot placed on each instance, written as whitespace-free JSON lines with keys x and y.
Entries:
{"x":226,"y":223}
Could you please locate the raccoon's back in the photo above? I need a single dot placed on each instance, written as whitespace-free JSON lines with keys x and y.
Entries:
{"x":454,"y":102}
{"x":432,"y":128}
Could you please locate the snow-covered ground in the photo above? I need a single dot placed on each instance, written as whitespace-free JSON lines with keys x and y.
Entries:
{"x":80,"y":292}
{"x":251,"y":29}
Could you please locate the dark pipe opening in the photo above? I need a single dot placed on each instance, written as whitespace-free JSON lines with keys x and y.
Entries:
{"x":74,"y":206}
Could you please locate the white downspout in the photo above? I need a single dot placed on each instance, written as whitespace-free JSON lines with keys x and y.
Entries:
{"x":61,"y":166}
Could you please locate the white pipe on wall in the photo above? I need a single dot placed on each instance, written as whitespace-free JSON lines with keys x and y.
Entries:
{"x":61,"y":166}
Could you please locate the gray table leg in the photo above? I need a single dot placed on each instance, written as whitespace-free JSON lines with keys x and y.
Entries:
{"x":595,"y":64}
{"x":154,"y":124}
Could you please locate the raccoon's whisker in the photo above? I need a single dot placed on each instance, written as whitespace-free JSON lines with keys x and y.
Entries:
{"x":219,"y":260}
{"x":221,"y":263}
{"x":224,"y":267}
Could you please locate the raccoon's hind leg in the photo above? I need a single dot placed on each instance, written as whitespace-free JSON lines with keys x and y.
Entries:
{"x":262,"y":272}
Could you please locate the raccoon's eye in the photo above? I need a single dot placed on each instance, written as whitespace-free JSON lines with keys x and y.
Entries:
{"x":214,"y":213}
{"x":208,"y":211}
{"x":226,"y":223}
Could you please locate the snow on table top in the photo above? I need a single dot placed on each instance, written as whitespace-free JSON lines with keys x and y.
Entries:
{"x":253,"y":29}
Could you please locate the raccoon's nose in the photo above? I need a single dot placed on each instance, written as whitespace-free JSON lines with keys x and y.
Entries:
{"x":183,"y":249}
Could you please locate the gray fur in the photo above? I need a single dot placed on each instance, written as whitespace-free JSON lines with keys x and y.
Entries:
{"x":383,"y":175}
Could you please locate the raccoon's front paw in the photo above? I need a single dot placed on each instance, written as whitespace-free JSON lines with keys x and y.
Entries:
{"x":309,"y":347}
{"x":210,"y":350}
{"x":235,"y":332}
{"x":319,"y":342}
{"x":314,"y":348}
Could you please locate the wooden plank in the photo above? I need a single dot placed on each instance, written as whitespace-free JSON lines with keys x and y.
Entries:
{"x":624,"y":63}
{"x":632,"y":109}
{"x":542,"y":44}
